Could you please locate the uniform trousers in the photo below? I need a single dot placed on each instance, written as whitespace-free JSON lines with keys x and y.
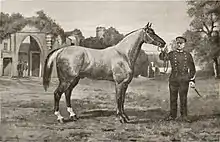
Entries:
{"x":178,"y":85}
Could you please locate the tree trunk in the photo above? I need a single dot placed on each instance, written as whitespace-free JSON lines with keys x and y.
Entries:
{"x":215,"y":67}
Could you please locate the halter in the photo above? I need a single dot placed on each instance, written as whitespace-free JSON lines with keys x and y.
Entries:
{"x":147,"y":34}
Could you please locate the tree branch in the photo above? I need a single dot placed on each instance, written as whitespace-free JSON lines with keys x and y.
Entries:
{"x":212,"y":23}
{"x":206,"y":27}
{"x":202,"y":31}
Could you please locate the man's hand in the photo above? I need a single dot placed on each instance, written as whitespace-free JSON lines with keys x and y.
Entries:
{"x":192,"y":84}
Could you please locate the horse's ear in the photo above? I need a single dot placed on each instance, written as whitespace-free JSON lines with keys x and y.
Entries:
{"x":145,"y":28}
{"x":147,"y":25}
{"x":150,"y":24}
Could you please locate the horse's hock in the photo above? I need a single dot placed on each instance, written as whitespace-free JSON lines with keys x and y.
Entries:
{"x":29,"y":45}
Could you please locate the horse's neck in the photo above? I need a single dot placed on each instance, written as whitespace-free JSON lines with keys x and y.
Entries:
{"x":130,"y":46}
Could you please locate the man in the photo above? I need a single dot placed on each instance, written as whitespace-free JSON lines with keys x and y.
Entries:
{"x":19,"y":68}
{"x":25,"y":72}
{"x":182,"y":75}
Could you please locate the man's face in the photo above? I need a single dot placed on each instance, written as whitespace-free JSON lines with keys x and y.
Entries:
{"x":180,"y":45}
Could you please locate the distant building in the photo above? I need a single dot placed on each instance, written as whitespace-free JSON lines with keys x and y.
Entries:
{"x":100,"y":31}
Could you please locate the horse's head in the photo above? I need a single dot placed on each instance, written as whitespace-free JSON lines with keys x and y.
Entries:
{"x":151,"y":37}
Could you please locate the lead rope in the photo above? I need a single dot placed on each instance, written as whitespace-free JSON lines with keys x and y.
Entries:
{"x":165,"y":66}
{"x":165,"y":62}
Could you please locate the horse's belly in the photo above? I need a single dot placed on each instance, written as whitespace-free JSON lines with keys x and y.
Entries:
{"x":99,"y":73}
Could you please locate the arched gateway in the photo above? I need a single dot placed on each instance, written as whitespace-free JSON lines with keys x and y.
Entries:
{"x":29,"y":46}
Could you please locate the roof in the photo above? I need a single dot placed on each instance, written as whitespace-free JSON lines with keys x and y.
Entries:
{"x":30,"y":28}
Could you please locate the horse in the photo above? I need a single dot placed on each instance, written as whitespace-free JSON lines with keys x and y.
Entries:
{"x":115,"y":63}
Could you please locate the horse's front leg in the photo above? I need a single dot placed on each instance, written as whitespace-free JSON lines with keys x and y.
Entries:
{"x":125,"y":86}
{"x":120,"y":96}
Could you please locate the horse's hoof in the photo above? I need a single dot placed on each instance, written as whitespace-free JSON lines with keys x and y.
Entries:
{"x":126,"y":117}
{"x":74,"y":118}
{"x":61,"y":120}
{"x":124,"y":120}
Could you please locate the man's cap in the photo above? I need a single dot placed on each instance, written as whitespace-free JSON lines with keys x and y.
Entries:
{"x":180,"y":39}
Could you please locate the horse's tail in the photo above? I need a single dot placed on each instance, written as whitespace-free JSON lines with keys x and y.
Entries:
{"x":48,"y":67}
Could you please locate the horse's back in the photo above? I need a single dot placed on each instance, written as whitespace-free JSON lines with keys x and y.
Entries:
{"x":86,"y":62}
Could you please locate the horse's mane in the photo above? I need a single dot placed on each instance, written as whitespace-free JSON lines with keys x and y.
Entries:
{"x":131,"y":32}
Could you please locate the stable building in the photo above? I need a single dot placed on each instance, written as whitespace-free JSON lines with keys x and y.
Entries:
{"x":28,"y":45}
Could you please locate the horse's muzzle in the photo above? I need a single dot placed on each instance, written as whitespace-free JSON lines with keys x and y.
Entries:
{"x":161,"y":45}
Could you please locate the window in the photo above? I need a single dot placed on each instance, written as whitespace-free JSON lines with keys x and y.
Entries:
{"x":5,"y":46}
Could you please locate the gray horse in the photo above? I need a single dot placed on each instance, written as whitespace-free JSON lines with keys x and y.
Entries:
{"x":115,"y":63}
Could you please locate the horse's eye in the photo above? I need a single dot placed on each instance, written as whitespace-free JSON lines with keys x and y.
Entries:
{"x":149,"y":31}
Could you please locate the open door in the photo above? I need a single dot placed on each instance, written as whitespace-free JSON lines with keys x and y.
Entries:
{"x":35,"y":64}
{"x":7,"y":66}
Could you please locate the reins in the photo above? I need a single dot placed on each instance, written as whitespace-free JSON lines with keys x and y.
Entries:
{"x":165,"y":62}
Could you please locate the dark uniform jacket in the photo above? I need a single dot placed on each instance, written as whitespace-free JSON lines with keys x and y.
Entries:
{"x":182,"y":65}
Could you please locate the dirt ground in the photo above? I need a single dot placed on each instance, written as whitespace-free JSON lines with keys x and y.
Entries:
{"x":27,"y":112}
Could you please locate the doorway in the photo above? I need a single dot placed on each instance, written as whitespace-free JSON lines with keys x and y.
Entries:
{"x":30,"y":53}
{"x":34,"y":64}
{"x":7,"y":66}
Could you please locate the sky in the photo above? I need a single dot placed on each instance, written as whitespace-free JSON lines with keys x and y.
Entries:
{"x":169,"y":18}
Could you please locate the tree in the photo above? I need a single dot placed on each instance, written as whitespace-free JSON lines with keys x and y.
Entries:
{"x":204,"y":22}
{"x":112,"y":37}
{"x":10,"y":24}
{"x":46,"y":24}
{"x":141,"y":64}
{"x":15,"y":22}
{"x":93,"y":42}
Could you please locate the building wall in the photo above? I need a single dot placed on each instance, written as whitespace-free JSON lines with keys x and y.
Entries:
{"x":14,"y":43}
{"x":5,"y":52}
{"x":41,"y":41}
{"x":100,"y":32}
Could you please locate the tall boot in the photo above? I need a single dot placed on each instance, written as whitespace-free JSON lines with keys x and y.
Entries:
{"x":183,"y":103}
{"x":173,"y":102}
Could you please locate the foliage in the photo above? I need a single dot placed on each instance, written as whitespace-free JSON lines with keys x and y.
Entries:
{"x":202,"y":36}
{"x":16,"y":22}
{"x":93,"y":42}
{"x":203,"y":21}
{"x":11,"y":24}
{"x":46,"y":24}
{"x":111,"y":37}
{"x":141,"y":65}
{"x":193,"y":40}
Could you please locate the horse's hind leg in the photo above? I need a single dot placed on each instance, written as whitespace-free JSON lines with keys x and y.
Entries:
{"x":57,"y":95}
{"x":68,"y":92}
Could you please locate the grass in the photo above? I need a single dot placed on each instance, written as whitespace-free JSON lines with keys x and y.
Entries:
{"x":27,"y":112}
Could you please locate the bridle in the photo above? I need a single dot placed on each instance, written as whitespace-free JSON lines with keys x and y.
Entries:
{"x":165,"y":62}
{"x":146,"y":34}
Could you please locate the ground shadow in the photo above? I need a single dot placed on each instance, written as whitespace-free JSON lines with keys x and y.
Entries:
{"x":195,"y":118}
{"x":138,"y":116}
{"x":142,"y":116}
